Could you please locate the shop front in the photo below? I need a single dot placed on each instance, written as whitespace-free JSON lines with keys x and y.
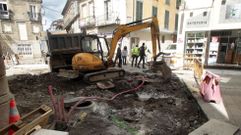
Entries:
{"x":224,"y":48}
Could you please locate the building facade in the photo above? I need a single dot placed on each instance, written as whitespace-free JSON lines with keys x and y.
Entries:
{"x":103,"y":16}
{"x":210,"y":33}
{"x":21,"y":29}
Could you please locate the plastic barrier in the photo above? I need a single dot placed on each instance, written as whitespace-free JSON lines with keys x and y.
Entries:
{"x":210,"y":87}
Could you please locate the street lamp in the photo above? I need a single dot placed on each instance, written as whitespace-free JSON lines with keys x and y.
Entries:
{"x":117,"y":20}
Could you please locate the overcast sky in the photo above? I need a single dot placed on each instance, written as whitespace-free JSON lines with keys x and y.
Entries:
{"x":52,"y":11}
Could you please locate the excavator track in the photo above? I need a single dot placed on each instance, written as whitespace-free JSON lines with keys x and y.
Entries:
{"x":104,"y":75}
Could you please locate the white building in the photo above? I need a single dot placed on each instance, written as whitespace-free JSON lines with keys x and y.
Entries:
{"x":208,"y":30}
{"x":103,"y":16}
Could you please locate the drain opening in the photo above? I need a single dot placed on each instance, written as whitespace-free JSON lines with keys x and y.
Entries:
{"x":85,"y":104}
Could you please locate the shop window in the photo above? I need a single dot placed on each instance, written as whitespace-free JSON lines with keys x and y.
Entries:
{"x":191,"y":14}
{"x":223,"y":2}
{"x":24,"y":49}
{"x":205,"y":13}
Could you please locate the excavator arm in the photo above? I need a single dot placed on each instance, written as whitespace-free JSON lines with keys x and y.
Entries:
{"x":123,"y":30}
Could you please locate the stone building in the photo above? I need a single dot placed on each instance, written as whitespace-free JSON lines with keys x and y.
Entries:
{"x":21,"y":29}
{"x":103,"y":16}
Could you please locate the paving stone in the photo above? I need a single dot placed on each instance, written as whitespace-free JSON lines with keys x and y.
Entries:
{"x":215,"y":127}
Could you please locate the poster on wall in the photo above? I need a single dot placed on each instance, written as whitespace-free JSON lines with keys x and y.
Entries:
{"x":213,"y":52}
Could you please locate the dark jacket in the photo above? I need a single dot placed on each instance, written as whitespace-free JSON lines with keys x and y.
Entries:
{"x":142,"y":51}
{"x":118,"y":54}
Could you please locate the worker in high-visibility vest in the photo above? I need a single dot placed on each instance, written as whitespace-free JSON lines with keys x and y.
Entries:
{"x":135,"y":54}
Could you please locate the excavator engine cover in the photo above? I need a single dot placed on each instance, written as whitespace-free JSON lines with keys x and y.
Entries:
{"x":86,"y":62}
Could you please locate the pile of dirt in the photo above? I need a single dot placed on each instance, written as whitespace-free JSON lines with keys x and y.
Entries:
{"x":156,"y":108}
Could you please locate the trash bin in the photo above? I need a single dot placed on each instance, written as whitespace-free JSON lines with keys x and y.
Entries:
{"x":210,"y":87}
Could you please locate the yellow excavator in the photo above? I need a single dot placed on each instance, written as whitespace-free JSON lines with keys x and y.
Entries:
{"x":89,"y":56}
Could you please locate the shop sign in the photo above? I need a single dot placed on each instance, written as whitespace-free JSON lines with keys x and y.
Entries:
{"x":198,"y":21}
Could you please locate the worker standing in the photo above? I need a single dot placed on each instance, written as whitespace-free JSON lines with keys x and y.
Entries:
{"x":118,"y":56}
{"x":135,"y":55}
{"x":124,"y":54}
{"x":142,"y":56}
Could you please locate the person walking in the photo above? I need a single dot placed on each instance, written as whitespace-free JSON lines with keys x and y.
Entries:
{"x":118,"y":56}
{"x":142,"y":56}
{"x":135,"y":55}
{"x":124,"y":54}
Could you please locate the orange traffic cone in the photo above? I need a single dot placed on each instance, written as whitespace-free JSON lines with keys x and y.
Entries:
{"x":13,"y":115}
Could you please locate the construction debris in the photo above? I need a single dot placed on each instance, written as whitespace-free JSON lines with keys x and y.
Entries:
{"x":39,"y":116}
{"x":157,"y":107}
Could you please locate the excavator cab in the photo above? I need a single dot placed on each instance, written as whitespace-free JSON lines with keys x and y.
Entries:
{"x":93,"y":55}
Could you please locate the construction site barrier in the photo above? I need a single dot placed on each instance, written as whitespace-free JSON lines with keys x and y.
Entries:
{"x":210,"y":87}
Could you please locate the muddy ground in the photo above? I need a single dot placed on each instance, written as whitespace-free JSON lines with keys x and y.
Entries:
{"x":167,"y":107}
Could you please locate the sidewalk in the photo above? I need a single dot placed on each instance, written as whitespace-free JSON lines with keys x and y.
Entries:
{"x":230,"y":109}
{"x":33,"y":69}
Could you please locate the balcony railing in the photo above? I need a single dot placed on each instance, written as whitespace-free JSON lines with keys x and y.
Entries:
{"x":88,"y":21}
{"x":34,"y":16}
{"x":106,"y":19}
{"x":4,"y":15}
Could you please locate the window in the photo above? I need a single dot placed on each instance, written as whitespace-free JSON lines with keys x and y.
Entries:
{"x":89,"y":44}
{"x":3,"y":9}
{"x":178,"y":3}
{"x":24,"y":49}
{"x":35,"y":29}
{"x":154,"y":11}
{"x":166,"y":20}
{"x":139,"y":9}
{"x":84,"y":11}
{"x":91,"y":9}
{"x":223,"y":2}
{"x":163,"y":39}
{"x":33,"y":12}
{"x":22,"y":31}
{"x":191,"y":14}
{"x":167,"y":2}
{"x":107,"y":6}
{"x":176,"y":22}
{"x":7,"y":28}
{"x":205,"y":13}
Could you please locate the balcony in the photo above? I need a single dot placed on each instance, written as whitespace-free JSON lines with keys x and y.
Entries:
{"x":106,"y":19}
{"x":34,"y":16}
{"x":88,"y":21}
{"x":4,"y":15}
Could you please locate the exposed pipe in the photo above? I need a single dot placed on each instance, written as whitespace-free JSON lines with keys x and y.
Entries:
{"x":82,"y":99}
{"x":107,"y":99}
